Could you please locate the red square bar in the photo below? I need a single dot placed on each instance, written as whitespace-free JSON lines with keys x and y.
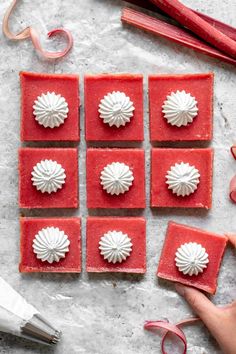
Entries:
{"x":134,"y":227}
{"x":34,"y":85}
{"x":97,"y":197}
{"x":161,"y":161}
{"x":30,"y":197}
{"x":98,"y":86}
{"x":178,"y":235}
{"x":30,"y":227}
{"x":199,"y":86}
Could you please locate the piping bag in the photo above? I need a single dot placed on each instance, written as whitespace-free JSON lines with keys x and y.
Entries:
{"x":19,"y":318}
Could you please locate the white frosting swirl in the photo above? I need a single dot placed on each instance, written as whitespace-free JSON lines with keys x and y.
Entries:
{"x":183,"y":179}
{"x":180,"y":108}
{"x":191,"y":258}
{"x":116,"y":109}
{"x":48,"y":176}
{"x":51,"y":244}
{"x":115,"y":246}
{"x":116,"y":178}
{"x":50,"y":110}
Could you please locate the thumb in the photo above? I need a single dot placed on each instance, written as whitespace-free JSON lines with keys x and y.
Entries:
{"x":232,"y":239}
{"x":201,"y":305}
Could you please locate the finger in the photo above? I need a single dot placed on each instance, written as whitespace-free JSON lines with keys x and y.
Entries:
{"x":231,"y":307}
{"x":200,"y":304}
{"x":232,"y":239}
{"x":214,"y":318}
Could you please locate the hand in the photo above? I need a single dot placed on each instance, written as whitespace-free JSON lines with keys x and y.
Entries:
{"x":221,"y":321}
{"x":232,"y":239}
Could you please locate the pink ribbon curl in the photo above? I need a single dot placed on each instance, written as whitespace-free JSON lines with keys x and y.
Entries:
{"x":30,"y":32}
{"x":232,"y":186}
{"x":170,"y":328}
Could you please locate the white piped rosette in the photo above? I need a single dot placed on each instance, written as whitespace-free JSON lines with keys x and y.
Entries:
{"x":48,"y":176}
{"x":116,"y":178}
{"x":183,"y":179}
{"x":116,"y":109}
{"x":51,"y":244}
{"x":115,"y":246}
{"x":191,"y":258}
{"x":50,"y":110}
{"x":180,"y":108}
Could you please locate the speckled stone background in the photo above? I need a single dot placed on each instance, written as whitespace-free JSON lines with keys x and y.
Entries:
{"x":104,"y":314}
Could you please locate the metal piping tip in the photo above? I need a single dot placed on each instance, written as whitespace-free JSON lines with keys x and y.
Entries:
{"x":40,"y":330}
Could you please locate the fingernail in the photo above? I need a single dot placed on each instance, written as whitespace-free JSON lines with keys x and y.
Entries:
{"x":180,"y":289}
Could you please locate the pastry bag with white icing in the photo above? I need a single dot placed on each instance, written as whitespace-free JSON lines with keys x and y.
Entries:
{"x":19,"y":318}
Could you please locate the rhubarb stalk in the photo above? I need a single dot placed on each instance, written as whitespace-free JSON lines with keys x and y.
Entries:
{"x":196,"y":24}
{"x":223,"y":27}
{"x":176,"y":34}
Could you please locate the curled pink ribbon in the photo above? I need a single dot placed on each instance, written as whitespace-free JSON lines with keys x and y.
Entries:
{"x":232,"y":189}
{"x":170,"y":328}
{"x":30,"y":32}
{"x":232,"y":186}
{"x":233,"y":151}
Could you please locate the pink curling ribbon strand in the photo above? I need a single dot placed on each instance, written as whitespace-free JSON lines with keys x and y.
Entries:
{"x":30,"y":32}
{"x":233,"y":151}
{"x":232,"y":185}
{"x":232,"y":189}
{"x":170,"y":328}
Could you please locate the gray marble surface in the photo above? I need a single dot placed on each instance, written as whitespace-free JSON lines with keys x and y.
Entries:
{"x":104,"y":314}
